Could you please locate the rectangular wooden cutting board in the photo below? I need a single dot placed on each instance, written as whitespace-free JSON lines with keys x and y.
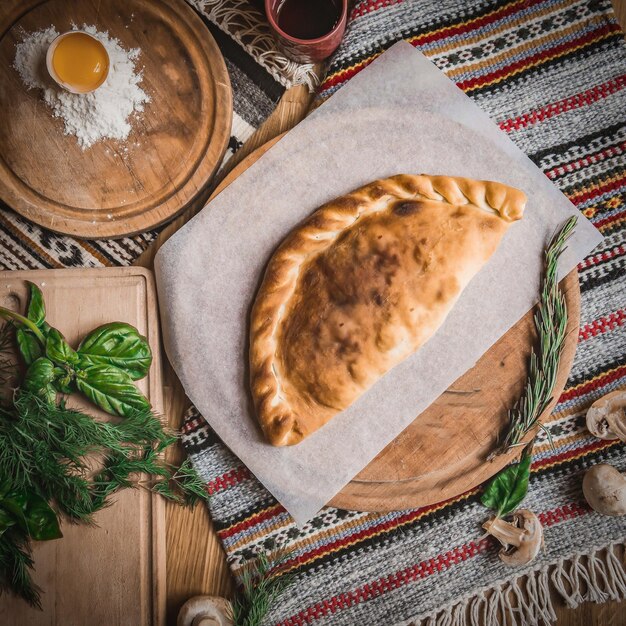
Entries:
{"x":113,"y":573}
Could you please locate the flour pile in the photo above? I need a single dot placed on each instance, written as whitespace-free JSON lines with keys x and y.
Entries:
{"x":101,"y":114}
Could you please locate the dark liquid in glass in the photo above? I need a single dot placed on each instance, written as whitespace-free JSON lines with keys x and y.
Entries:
{"x":308,"y":19}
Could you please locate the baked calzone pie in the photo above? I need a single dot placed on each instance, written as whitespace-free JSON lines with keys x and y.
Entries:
{"x":360,"y":285}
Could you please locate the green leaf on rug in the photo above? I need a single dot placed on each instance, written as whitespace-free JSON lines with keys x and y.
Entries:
{"x":506,"y":491}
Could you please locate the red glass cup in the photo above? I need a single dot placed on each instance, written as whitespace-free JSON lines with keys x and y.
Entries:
{"x":306,"y":50}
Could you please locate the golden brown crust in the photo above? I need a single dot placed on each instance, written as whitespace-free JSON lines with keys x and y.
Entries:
{"x":361,"y":284}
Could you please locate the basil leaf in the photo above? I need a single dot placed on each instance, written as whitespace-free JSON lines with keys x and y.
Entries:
{"x":112,"y":389}
{"x":33,"y":514}
{"x":120,"y":345}
{"x":508,"y":488}
{"x":29,"y":345}
{"x":36,"y":308}
{"x":39,"y":380}
{"x":42,"y":521}
{"x":58,"y":350}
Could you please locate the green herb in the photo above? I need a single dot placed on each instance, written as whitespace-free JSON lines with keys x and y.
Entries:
{"x":28,"y":326}
{"x":43,"y":450}
{"x":31,"y":513}
{"x":59,"y":351}
{"x":29,"y":342}
{"x":15,"y":564}
{"x":120,"y":345}
{"x":112,"y":389}
{"x":44,"y":444}
{"x":35,"y":436}
{"x":36,"y":311}
{"x":506,"y":491}
{"x":260,"y":589}
{"x":29,"y":347}
{"x":551,"y":324}
{"x":184,"y":486}
{"x":103,"y":368}
{"x":39,"y":380}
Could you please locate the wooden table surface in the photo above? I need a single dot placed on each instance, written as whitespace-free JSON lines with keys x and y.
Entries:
{"x":196,"y":563}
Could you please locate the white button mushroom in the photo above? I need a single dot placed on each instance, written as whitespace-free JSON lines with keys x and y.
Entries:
{"x":521,"y":539}
{"x":605,"y":490}
{"x":205,"y":611}
{"x":606,"y":418}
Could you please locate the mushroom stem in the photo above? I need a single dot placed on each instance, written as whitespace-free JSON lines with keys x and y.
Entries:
{"x":506,"y":533}
{"x":521,"y":539}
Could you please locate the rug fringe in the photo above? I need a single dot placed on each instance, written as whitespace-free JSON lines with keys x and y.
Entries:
{"x":247,"y":27}
{"x":526,"y":601}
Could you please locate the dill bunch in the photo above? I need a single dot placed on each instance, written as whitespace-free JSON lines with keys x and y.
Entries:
{"x":49,"y":450}
{"x":15,"y":564}
{"x":48,"y":447}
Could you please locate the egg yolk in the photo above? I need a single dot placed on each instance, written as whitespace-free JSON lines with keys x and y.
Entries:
{"x":81,"y":62}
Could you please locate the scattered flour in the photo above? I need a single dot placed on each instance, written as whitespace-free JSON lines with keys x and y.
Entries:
{"x":101,"y":114}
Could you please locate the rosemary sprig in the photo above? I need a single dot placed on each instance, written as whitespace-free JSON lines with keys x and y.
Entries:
{"x":551,"y":324}
{"x":260,"y":589}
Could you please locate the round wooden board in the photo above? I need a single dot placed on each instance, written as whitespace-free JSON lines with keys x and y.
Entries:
{"x":116,"y":188}
{"x":443,"y":453}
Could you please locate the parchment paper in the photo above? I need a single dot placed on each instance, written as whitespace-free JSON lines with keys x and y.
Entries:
{"x":400,"y":115}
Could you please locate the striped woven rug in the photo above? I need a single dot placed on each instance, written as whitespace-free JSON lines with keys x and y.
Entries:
{"x":552,"y":74}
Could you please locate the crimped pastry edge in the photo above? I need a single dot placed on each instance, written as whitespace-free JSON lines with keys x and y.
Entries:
{"x":274,"y":412}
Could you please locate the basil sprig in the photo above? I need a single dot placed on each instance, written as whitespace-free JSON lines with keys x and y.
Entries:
{"x":103,"y":367}
{"x":44,"y":444}
{"x":506,"y":491}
